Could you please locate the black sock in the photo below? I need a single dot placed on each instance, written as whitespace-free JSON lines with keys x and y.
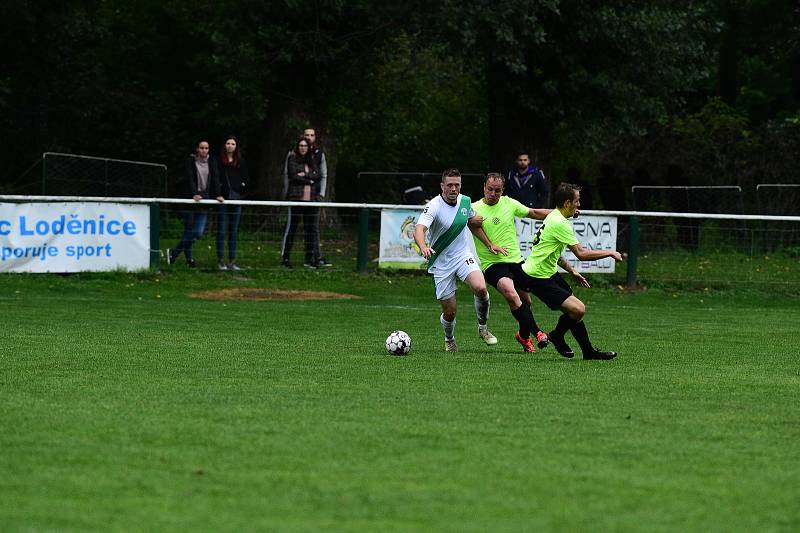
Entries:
{"x":534,"y":326}
{"x":565,"y":323}
{"x":582,"y":336}
{"x":525,"y":319}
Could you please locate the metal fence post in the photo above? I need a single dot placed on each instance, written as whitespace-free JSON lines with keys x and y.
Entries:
{"x":44,"y":174}
{"x":363,"y":239}
{"x":633,"y":251}
{"x":155,"y":232}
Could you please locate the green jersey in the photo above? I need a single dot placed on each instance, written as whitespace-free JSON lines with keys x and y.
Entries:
{"x":554,"y":234}
{"x":498,"y":223}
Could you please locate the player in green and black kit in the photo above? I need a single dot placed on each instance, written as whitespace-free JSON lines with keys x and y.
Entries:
{"x":539,"y":273}
{"x":496,"y":214}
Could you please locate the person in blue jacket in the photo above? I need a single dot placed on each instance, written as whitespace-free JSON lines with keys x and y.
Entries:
{"x":527,"y":184}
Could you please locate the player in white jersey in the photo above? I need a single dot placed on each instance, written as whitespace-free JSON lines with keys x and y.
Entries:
{"x":447,"y":217}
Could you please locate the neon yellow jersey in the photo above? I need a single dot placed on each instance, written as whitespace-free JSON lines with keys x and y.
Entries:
{"x":554,"y":234}
{"x":498,"y":223}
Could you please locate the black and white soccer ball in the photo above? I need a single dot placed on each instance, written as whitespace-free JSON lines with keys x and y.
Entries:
{"x":398,"y":343}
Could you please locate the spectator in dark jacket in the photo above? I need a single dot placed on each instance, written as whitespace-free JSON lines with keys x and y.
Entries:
{"x":527,"y":184}
{"x":202,"y":183}
{"x":233,"y":181}
{"x":318,"y":192}
{"x":302,"y":176}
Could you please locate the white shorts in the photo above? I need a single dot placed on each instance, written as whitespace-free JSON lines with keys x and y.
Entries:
{"x":444,"y":276}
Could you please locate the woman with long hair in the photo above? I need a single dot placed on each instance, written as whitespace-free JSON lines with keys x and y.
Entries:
{"x":302,"y":174}
{"x":233,"y":183}
{"x":202,"y":183}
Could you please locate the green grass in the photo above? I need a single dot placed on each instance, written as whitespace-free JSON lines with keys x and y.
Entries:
{"x":128,"y":405}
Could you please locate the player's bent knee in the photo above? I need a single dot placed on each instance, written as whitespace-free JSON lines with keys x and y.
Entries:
{"x":512,"y":298}
{"x":506,"y":287}
{"x":575,"y":308}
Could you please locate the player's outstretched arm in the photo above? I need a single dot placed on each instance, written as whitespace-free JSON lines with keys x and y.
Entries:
{"x":538,"y":214}
{"x":419,"y":238}
{"x":590,"y":255}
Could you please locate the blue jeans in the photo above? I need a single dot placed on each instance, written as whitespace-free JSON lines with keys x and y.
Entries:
{"x":194,"y":224}
{"x":227,"y":225}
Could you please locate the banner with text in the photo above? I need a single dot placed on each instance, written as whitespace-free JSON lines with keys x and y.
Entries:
{"x":593,"y":232}
{"x":398,"y":250}
{"x":74,"y":237}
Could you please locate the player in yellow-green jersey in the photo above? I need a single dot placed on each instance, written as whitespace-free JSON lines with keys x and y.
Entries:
{"x":539,"y":273}
{"x":496,"y":213}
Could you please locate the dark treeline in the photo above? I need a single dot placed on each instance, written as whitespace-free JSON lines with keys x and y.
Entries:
{"x":608,"y":93}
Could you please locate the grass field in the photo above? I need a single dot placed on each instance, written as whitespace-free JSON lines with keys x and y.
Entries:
{"x":128,"y":405}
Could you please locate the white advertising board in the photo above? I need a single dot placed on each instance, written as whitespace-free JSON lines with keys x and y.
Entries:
{"x":398,"y":250}
{"x":593,"y":232}
{"x":74,"y":237}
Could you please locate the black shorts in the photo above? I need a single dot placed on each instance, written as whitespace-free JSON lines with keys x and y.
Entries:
{"x":494,"y":273}
{"x":552,"y":291}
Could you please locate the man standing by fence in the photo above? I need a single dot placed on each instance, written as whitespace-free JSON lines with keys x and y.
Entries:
{"x":526,"y":183}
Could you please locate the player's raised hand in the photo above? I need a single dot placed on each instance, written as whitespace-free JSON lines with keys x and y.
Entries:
{"x":616,"y":255}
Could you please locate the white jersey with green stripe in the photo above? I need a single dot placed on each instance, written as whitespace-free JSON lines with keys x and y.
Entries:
{"x":438,"y":216}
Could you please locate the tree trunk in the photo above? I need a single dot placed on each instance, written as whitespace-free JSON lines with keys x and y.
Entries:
{"x":281,"y":129}
{"x":727,"y":85}
{"x":512,"y":127}
{"x":274,"y":142}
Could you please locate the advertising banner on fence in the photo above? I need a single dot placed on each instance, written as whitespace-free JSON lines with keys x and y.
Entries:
{"x":74,"y":237}
{"x":397,"y":248}
{"x":593,"y":232}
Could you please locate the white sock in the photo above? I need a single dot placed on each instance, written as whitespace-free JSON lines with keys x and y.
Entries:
{"x":482,"y":310}
{"x":448,"y":327}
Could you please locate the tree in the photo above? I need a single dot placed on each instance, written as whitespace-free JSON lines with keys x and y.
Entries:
{"x":579,"y":71}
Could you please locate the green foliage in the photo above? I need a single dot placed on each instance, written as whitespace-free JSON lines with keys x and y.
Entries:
{"x":396,"y":85}
{"x":413,"y":108}
{"x":711,"y":145}
{"x":624,"y":66}
{"x":718,"y":145}
{"x":768,"y":46}
{"x":497,"y":32}
{"x":774,"y":160}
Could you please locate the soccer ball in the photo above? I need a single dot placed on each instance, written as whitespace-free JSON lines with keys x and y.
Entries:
{"x":398,"y":343}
